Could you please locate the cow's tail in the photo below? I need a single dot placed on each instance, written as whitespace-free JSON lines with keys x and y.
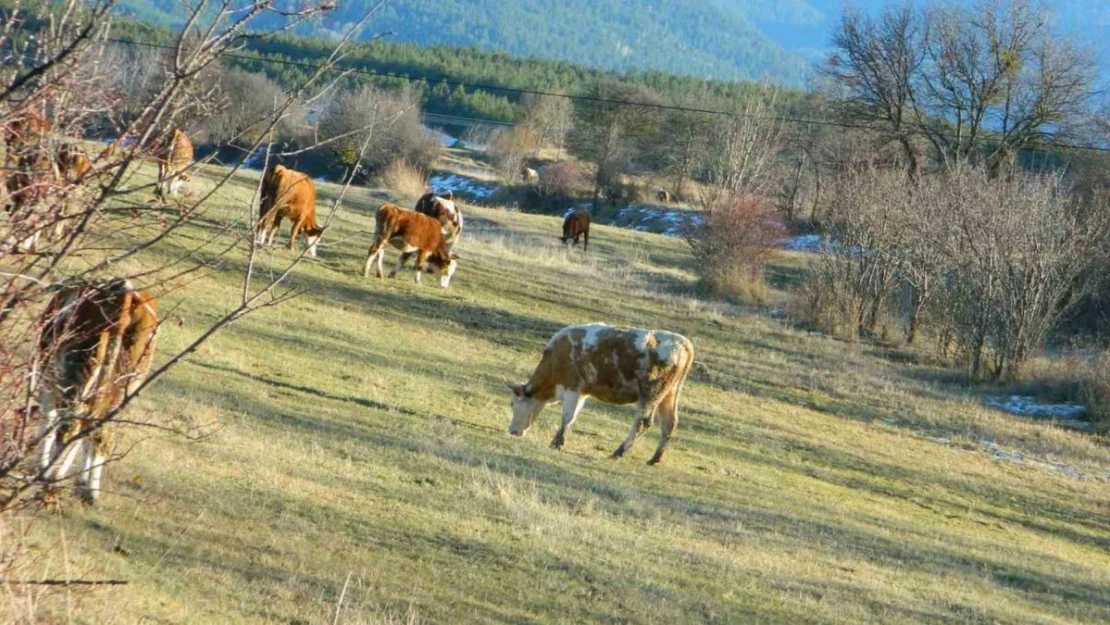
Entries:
{"x":684,"y":369}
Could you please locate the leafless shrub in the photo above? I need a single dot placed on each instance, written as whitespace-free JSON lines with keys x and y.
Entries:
{"x":735,"y":244}
{"x":386,"y":122}
{"x":82,"y":228}
{"x":1094,"y":390}
{"x":565,"y":180}
{"x":511,"y":148}
{"x":403,"y":179}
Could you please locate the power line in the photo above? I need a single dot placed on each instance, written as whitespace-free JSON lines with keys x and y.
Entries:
{"x":786,"y":119}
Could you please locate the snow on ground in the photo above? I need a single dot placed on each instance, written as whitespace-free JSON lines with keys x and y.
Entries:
{"x":671,"y":223}
{"x":468,"y":188}
{"x":803,"y":243}
{"x":1064,"y":414}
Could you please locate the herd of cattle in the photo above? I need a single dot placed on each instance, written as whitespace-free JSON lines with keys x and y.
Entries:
{"x":97,"y":339}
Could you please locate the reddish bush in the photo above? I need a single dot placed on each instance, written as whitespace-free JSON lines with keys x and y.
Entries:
{"x":733,"y":244}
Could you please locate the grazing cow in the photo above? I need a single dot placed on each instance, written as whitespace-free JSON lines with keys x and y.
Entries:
{"x":97,"y":343}
{"x":73,"y":162}
{"x":527,"y":174}
{"x":411,"y":232}
{"x":576,"y":224}
{"x":443,"y":209}
{"x":664,"y":196}
{"x":175,"y":156}
{"x":288,"y":194}
{"x":615,"y":365}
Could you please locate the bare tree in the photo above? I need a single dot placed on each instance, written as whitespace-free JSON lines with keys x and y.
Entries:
{"x":51,"y":239}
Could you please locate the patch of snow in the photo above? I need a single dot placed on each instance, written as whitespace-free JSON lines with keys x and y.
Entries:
{"x":1067,"y":414}
{"x":443,"y":138}
{"x":461,"y":185}
{"x":803,"y":243}
{"x":940,"y":441}
{"x":1001,"y":453}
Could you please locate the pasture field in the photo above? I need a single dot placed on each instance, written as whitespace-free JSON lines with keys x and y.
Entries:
{"x":362,"y":451}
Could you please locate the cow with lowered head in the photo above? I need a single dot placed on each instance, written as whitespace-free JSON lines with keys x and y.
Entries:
{"x":288,"y":194}
{"x":614,"y":365}
{"x":413,"y":234}
{"x":576,"y":224}
{"x":96,"y":344}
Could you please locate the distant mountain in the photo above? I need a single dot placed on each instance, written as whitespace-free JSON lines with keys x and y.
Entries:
{"x":728,"y":39}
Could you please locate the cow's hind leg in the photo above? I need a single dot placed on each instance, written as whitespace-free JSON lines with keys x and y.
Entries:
{"x":401,"y":260}
{"x":642,"y":423}
{"x":377,"y":250}
{"x":668,"y":421}
{"x":572,"y":405}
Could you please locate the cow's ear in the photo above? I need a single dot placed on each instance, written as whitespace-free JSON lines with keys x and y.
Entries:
{"x":517,"y":389}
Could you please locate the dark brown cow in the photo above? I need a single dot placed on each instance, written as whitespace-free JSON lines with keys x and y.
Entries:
{"x":411,"y":232}
{"x":576,"y":224}
{"x":174,"y":157}
{"x":97,"y":343}
{"x":614,"y":365}
{"x":288,"y":194}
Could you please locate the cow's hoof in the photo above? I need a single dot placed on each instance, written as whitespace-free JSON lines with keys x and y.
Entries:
{"x":618,"y":453}
{"x":656,"y":459}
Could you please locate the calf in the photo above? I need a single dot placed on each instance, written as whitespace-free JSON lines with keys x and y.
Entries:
{"x":576,"y":223}
{"x":288,"y":194}
{"x":615,"y":365}
{"x":175,"y":156}
{"x":96,"y":345}
{"x":412,"y":233}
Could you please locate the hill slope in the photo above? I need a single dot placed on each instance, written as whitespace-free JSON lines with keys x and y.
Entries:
{"x":363,"y":447}
{"x":687,"y":37}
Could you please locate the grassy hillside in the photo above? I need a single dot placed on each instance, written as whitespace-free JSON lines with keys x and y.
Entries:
{"x":362,"y":443}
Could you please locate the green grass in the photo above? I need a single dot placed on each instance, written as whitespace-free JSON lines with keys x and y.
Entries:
{"x":362,"y":431}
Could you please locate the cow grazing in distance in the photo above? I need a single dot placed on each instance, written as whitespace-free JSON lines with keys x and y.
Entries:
{"x":615,"y":365}
{"x":443,"y":209}
{"x":527,"y":174}
{"x":576,"y":223}
{"x":73,"y":162}
{"x":27,"y":129}
{"x":174,"y":157}
{"x":96,"y":344}
{"x":288,"y":194}
{"x":664,"y":196}
{"x":411,"y":233}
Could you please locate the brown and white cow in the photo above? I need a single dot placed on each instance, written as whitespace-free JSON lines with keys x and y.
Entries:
{"x":73,"y":162}
{"x":443,"y":209}
{"x":576,"y":224}
{"x":412,"y":233}
{"x":96,"y":343}
{"x":664,"y":196}
{"x":614,"y":365}
{"x":527,"y":174}
{"x":174,"y":157}
{"x":288,"y":194}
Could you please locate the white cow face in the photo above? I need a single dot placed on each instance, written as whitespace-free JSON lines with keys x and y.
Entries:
{"x":525,"y":409}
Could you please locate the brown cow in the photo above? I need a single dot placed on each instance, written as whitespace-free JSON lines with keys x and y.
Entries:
{"x":576,"y":224}
{"x":97,"y":343}
{"x":73,"y":162}
{"x":664,"y":196}
{"x":411,"y":232}
{"x":615,"y":365}
{"x":288,"y":194}
{"x":174,"y":157}
{"x":443,"y":209}
{"x":28,"y":129}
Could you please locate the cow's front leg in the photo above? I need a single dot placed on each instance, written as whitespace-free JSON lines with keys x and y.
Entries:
{"x":421,"y":260}
{"x":572,"y":405}
{"x":642,"y":423}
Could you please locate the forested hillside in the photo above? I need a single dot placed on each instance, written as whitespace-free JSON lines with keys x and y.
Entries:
{"x":685,"y":36}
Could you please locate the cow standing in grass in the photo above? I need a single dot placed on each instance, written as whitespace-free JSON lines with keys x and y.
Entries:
{"x":615,"y":365}
{"x":443,"y":209}
{"x":664,"y":196}
{"x":413,"y":234}
{"x":576,"y":224}
{"x":96,"y":344}
{"x":288,"y":194}
{"x":174,"y":159}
